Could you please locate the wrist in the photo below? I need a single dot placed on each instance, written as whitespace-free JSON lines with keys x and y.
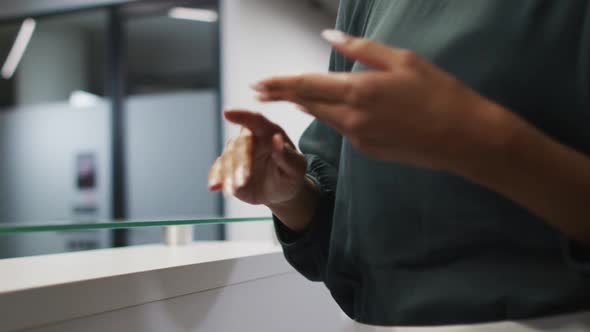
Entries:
{"x":485,"y":140}
{"x":306,"y":187}
{"x":297,"y":213}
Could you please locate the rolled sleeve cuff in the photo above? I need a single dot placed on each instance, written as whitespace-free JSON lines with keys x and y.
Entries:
{"x":289,"y":238}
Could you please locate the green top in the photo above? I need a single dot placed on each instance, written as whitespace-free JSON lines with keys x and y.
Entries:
{"x":399,"y":245}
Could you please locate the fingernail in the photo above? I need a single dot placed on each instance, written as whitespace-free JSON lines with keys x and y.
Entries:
{"x":335,"y":36}
{"x":213,"y":182}
{"x":259,"y":87}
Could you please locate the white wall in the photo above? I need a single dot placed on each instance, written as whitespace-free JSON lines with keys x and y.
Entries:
{"x":263,"y":38}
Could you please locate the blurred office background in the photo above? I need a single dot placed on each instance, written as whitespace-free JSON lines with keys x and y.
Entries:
{"x":111,"y":110}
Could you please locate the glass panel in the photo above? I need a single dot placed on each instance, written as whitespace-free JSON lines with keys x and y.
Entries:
{"x":54,"y":123}
{"x":172,"y":126}
{"x":29,"y":239}
{"x":55,"y":61}
{"x":56,"y":126}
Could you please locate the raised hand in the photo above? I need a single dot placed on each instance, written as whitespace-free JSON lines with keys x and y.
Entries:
{"x":261,"y":165}
{"x":405,"y":109}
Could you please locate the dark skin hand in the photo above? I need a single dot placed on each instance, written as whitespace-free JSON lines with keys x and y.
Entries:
{"x":385,"y":114}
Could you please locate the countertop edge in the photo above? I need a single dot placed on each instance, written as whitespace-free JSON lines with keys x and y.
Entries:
{"x":38,"y":306}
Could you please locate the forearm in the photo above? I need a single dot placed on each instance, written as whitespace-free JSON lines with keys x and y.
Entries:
{"x":297,"y":214}
{"x":515,"y":159}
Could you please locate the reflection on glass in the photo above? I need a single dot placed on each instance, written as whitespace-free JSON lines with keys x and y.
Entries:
{"x":49,"y":136}
{"x":56,"y":129}
{"x":172,"y":114}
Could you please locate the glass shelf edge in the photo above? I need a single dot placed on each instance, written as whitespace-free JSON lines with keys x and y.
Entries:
{"x":72,"y":227}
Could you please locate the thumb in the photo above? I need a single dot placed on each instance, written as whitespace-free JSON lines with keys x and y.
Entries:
{"x":364,"y":50}
{"x":287,"y":158}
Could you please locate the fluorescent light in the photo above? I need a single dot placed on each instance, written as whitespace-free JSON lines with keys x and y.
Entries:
{"x":82,"y":99}
{"x":18,"y":48}
{"x":193,"y":14}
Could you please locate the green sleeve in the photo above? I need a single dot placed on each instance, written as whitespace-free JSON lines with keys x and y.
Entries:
{"x":307,"y":251}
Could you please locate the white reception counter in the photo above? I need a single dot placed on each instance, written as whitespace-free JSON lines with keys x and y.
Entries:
{"x":209,"y":286}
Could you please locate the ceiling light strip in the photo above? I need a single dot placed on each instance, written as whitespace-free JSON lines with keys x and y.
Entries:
{"x":18,"y":48}
{"x":194,"y":14}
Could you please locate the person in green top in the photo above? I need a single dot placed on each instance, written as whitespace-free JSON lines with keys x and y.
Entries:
{"x":446,"y":178}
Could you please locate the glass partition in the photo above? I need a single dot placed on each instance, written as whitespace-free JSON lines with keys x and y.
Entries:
{"x":108,"y":115}
{"x":172,"y":116}
{"x":40,"y":227}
